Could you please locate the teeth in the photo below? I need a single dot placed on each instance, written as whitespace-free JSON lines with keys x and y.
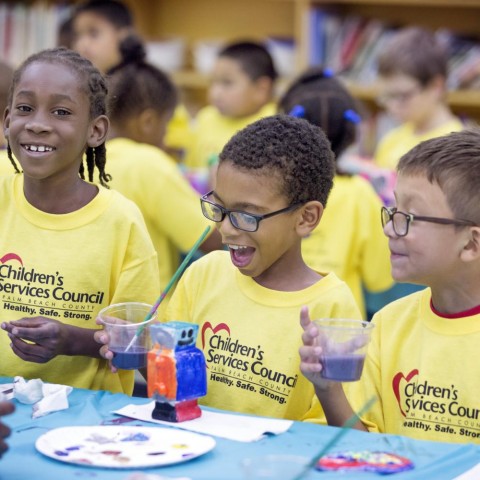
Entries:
{"x":38,"y":148}
{"x":237,"y":247}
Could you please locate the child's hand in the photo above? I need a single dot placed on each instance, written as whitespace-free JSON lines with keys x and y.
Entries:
{"x":5,"y":409}
{"x":37,"y":339}
{"x":101,"y":336}
{"x":310,"y":364}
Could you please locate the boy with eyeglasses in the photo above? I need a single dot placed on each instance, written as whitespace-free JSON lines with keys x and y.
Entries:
{"x":413,"y":72}
{"x":422,"y":363}
{"x":272,"y":184}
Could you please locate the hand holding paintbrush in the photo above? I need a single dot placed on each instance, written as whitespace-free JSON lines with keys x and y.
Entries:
{"x":102,"y":337}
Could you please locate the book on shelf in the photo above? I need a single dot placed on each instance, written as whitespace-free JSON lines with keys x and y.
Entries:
{"x":26,"y":28}
{"x":349,"y":45}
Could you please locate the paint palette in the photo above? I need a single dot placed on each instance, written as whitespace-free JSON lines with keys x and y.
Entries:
{"x":123,"y":446}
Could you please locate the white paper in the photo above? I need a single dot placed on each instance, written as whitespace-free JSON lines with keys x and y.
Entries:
{"x":472,"y":474}
{"x":46,"y":397}
{"x":241,"y":428}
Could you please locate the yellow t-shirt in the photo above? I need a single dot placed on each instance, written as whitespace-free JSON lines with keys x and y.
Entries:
{"x":212,"y":130}
{"x":402,"y":139}
{"x":68,"y":267}
{"x":6,"y":167}
{"x":424,"y":369}
{"x":170,"y":207}
{"x":250,"y":335}
{"x":178,"y":129}
{"x":349,"y":239}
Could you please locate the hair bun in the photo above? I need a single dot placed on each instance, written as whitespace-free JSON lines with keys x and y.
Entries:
{"x":132,"y":50}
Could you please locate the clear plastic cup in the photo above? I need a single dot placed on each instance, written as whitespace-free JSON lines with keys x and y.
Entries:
{"x":122,"y":322}
{"x":344,"y":345}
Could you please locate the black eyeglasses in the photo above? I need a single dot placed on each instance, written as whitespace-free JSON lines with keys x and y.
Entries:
{"x":401,"y":221}
{"x":239,"y":219}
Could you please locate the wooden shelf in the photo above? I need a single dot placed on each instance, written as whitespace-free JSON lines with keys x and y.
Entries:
{"x":258,"y":19}
{"x":406,"y":3}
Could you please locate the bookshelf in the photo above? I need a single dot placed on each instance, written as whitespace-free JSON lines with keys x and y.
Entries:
{"x":195,"y":20}
{"x":458,"y":18}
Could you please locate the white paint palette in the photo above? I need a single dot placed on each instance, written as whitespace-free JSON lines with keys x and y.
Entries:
{"x":123,"y":446}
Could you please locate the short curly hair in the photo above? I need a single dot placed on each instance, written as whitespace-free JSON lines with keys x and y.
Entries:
{"x":288,"y":148}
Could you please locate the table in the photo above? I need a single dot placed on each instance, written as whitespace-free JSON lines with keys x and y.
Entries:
{"x":433,"y":460}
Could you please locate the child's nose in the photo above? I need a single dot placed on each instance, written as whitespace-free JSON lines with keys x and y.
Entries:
{"x":37,"y":125}
{"x":388,"y":230}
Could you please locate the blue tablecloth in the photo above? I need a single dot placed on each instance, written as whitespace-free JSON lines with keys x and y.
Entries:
{"x":439,"y":461}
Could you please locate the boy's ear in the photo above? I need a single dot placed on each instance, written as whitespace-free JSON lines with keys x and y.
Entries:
{"x":264,"y":87}
{"x":310,"y":215}
{"x":471,"y":250}
{"x":98,"y":131}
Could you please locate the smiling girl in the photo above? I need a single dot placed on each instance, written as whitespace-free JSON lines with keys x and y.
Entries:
{"x":68,"y":247}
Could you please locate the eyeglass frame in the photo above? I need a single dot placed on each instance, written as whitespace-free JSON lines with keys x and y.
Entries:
{"x":410,"y":217}
{"x":400,"y":97}
{"x":227,"y":212}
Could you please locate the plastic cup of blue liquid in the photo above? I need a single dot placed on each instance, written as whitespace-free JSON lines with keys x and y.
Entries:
{"x":344,"y":345}
{"x":122,"y":322}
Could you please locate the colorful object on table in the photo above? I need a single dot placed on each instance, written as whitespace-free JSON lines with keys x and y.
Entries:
{"x":176,"y":372}
{"x":122,"y":446}
{"x":172,"y":281}
{"x":379,"y":462}
{"x":336,"y":438}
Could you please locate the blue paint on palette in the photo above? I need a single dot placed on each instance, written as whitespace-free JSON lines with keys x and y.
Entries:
{"x":61,"y":453}
{"x":76,"y":447}
{"x":136,"y":437}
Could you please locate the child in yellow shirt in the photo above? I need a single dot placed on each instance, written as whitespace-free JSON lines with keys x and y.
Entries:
{"x":413,"y":74}
{"x":99,"y":28}
{"x":349,"y":240}
{"x":240,"y":92}
{"x":422,"y":363}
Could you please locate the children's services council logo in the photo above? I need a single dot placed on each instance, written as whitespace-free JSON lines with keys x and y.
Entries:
{"x":216,"y":329}
{"x":11,"y":256}
{"x":398,"y":381}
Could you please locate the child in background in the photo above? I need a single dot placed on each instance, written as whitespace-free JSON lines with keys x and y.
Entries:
{"x":6,"y":74}
{"x":272,"y":184}
{"x":5,"y":409}
{"x":240,"y":93}
{"x":422,"y":363}
{"x":349,"y":240}
{"x":68,"y":247}
{"x":413,"y":74}
{"x":141,"y":102}
{"x":99,"y":28}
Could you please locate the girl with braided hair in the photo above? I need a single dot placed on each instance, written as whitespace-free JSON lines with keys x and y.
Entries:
{"x":69,"y":246}
{"x":349,"y":240}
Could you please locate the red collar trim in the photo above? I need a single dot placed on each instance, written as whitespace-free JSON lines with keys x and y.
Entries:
{"x":466,"y":313}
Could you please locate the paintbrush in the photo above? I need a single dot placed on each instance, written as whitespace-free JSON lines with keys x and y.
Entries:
{"x":172,"y":281}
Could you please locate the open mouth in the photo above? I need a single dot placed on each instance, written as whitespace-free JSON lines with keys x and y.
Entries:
{"x":241,"y":255}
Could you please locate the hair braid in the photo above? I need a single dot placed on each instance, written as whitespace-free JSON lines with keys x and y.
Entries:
{"x":10,"y":157}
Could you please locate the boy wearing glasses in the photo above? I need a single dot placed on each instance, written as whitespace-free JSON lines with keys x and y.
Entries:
{"x":422,"y":362}
{"x":272,"y":184}
{"x":413,"y":74}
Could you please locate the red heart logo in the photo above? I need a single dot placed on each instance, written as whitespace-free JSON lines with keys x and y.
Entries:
{"x":208,"y":326}
{"x":396,"y":385}
{"x":10,"y":256}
